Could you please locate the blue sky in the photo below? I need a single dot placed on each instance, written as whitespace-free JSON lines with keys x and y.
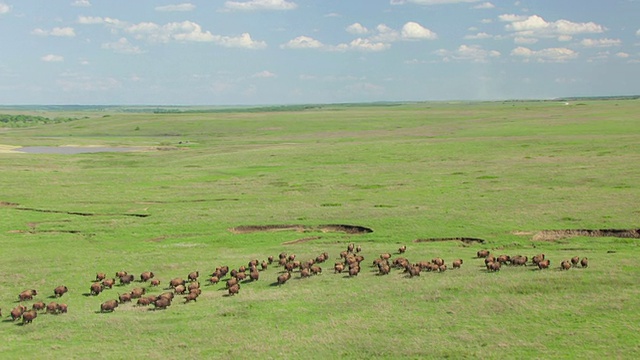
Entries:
{"x":124,"y":52}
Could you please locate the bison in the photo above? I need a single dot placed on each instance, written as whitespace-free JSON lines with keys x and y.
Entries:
{"x":100,"y":276}
{"x":180,"y":289}
{"x":402,"y":249}
{"x":283,"y":278}
{"x":17,"y":312}
{"x":27,"y":295}
{"x":565,"y":265}
{"x":28,"y":316}
{"x":137,"y":293}
{"x":143,"y":301}
{"x":234,"y":289}
{"x":146,"y":276}
{"x":60,"y":290}
{"x":52,"y":308}
{"x":483,"y":253}
{"x":96,"y":288}
{"x":456,"y":264}
{"x":108,"y":283}
{"x":126,"y":297}
{"x":108,"y":306}
{"x":193,"y":276}
{"x":176,"y":281}
{"x":155,"y":282}
{"x":62,"y":308}
{"x":254,"y":275}
{"x":162,"y":303}
{"x":126,"y":279}
{"x":544,"y":264}
{"x":575,"y":260}
{"x":584,"y":262}
{"x":38,"y":306}
{"x":192,"y":296}
{"x":214,"y":280}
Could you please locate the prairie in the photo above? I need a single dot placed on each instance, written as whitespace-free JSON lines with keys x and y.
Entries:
{"x":502,"y":172}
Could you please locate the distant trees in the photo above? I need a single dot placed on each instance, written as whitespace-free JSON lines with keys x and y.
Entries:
{"x":21,"y":120}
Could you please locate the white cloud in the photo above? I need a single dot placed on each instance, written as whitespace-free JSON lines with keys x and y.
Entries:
{"x":524,"y":40}
{"x":486,"y":21}
{"x":414,"y":31}
{"x":478,"y":36}
{"x":122,"y":46}
{"x":81,"y":3}
{"x":637,"y":32}
{"x":600,"y":42}
{"x":89,"y":20}
{"x":536,"y":26}
{"x":4,"y":8}
{"x":303,"y":42}
{"x":263,"y":74}
{"x":545,"y":55}
{"x":176,"y":7}
{"x":484,"y":5}
{"x":473,"y":53}
{"x":243,"y":41}
{"x":252,"y":5}
{"x":57,"y":31}
{"x":52,"y":58}
{"x":364,"y":45}
{"x":622,"y":55}
{"x":357,"y":28}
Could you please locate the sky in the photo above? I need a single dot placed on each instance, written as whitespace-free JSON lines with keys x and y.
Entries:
{"x":262,"y":52}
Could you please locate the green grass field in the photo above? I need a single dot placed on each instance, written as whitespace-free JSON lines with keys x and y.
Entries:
{"x":501,"y":172}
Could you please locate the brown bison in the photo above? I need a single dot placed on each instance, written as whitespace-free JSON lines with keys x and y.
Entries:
{"x":284,"y":278}
{"x":52,"y":308}
{"x":402,"y":249}
{"x":27,"y":295}
{"x":162,"y":303}
{"x":146,"y":276}
{"x":192,"y":296}
{"x":494,"y":266}
{"x":155,"y":282}
{"x":193,"y":276}
{"x":96,"y":288}
{"x":575,"y":260}
{"x":101,"y":276}
{"x":456,"y":264}
{"x":108,"y":306}
{"x":350,"y":247}
{"x":126,"y":279}
{"x":60,"y":290}
{"x":544,"y":264}
{"x":438,"y":261}
{"x":62,"y":308}
{"x":180,"y":289}
{"x":584,"y":262}
{"x":121,"y":274}
{"x":214,"y":280}
{"x":137,"y":293}
{"x":28,"y":316}
{"x":413,"y":270}
{"x":519,"y":260}
{"x":315,"y":270}
{"x":176,"y":281}
{"x":108,"y":283}
{"x":565,"y":265}
{"x":17,"y":312}
{"x":483,"y":253}
{"x":193,"y":286}
{"x":143,"y":301}
{"x":305,"y":273}
{"x":166,"y":295}
{"x":353,"y":271}
{"x":264,"y":265}
{"x":254,"y":275}
{"x":537,"y":258}
{"x":338,"y":268}
{"x":232,"y":281}
{"x":39,"y":306}
{"x":270,"y":259}
{"x":126,"y":297}
{"x":234,"y":289}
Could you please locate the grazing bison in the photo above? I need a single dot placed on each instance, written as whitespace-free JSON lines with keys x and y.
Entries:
{"x":62,"y":308}
{"x":565,"y":265}
{"x":192,"y":296}
{"x":28,"y":316}
{"x":101,"y":276}
{"x":27,"y":295}
{"x":126,"y":279}
{"x":519,"y":260}
{"x":108,"y":306}
{"x":146,"y":276}
{"x":143,"y":301}
{"x":483,"y":253}
{"x":126,"y":297}
{"x":96,"y":288}
{"x":52,"y":308}
{"x":193,"y":276}
{"x":60,"y":290}
{"x":176,"y":281}
{"x":155,"y":282}
{"x":234,"y":289}
{"x":584,"y":262}
{"x":402,"y":249}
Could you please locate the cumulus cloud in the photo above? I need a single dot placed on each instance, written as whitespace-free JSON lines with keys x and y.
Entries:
{"x":521,"y":40}
{"x":122,"y":46}
{"x":600,"y":42}
{"x":4,"y":8}
{"x":81,"y":3}
{"x":357,"y":28}
{"x":484,"y":5}
{"x":622,"y":55}
{"x":303,"y":42}
{"x":176,"y":7}
{"x":243,"y":41}
{"x":415,"y":31}
{"x":545,"y":55}
{"x":253,"y":5}
{"x":89,"y":20}
{"x":57,"y":31}
{"x":361,"y":44}
{"x":52,"y":58}
{"x":536,"y":26}
{"x":472,"y":53}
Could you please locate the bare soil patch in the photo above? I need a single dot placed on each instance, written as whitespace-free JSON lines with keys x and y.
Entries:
{"x":349,"y":229}
{"x":466,"y":240}
{"x":551,"y":235}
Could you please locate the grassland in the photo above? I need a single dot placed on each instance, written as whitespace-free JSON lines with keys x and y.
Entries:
{"x":501,"y":172}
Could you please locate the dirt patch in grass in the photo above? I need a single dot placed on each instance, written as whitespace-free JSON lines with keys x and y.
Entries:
{"x":466,"y":240}
{"x":551,"y":235}
{"x":349,"y":229}
{"x":79,"y":213}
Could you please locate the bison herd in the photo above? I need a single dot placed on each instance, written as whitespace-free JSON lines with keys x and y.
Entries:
{"x":349,"y":262}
